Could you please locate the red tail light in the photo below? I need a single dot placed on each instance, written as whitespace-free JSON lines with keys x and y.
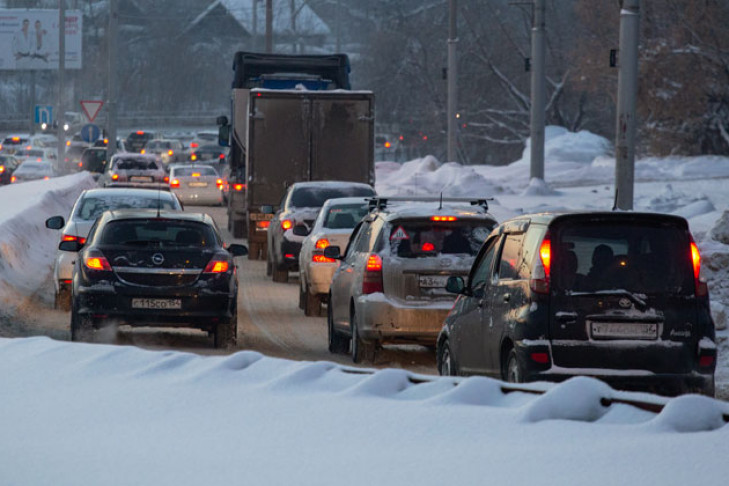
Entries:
{"x":263,"y":224}
{"x":700,"y":286}
{"x":539,"y":282}
{"x":287,"y":224}
{"x":167,"y":179}
{"x":372,"y":278}
{"x":219,"y":183}
{"x":143,"y":151}
{"x":239,"y":187}
{"x":322,"y":259}
{"x":541,"y":358}
{"x":114,"y":177}
{"x":193,"y":157}
{"x":174,"y":183}
{"x":2,"y":169}
{"x":170,"y":152}
{"x":443,"y":218}
{"x":222,"y":156}
{"x":321,"y":244}
{"x":46,"y":178}
{"x":140,"y":132}
{"x":13,"y":179}
{"x":80,"y":239}
{"x":194,"y":145}
{"x":706,"y":360}
{"x":98,"y":263}
{"x":428,"y":246}
{"x":217,"y":266}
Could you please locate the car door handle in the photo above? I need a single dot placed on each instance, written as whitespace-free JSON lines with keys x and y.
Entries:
{"x":507,"y":297}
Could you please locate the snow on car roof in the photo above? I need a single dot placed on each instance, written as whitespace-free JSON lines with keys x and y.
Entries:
{"x":331,"y":184}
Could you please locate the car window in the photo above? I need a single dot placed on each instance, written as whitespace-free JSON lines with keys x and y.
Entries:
{"x":481,"y":273}
{"x":354,"y":241}
{"x":510,"y":261}
{"x":135,"y":164}
{"x":315,"y":197}
{"x":92,"y":207}
{"x":425,"y":238}
{"x":345,"y":216}
{"x":158,"y":233}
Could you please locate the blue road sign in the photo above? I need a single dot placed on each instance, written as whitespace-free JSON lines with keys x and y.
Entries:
{"x":43,"y":114}
{"x":90,"y":133}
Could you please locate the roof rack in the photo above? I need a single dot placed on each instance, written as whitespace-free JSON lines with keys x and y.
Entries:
{"x":382,"y":202}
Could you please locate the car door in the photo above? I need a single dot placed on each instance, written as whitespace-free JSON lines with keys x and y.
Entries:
{"x":468,"y":330}
{"x":341,"y":288}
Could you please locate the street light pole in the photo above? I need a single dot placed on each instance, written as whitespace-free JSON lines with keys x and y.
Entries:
{"x":538,"y":91}
{"x":627,"y":97}
{"x":111,"y":127}
{"x":269,"y":26}
{"x":60,"y":117}
{"x":452,"y":80}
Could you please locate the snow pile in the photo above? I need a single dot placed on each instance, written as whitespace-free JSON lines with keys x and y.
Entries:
{"x":142,"y":417}
{"x":715,"y":269}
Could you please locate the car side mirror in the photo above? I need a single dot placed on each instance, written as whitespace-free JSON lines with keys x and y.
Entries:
{"x":301,"y":230}
{"x":55,"y":222}
{"x":332,"y":252}
{"x":73,"y":246}
{"x":455,"y":285}
{"x":238,"y":250}
{"x":267,"y":209}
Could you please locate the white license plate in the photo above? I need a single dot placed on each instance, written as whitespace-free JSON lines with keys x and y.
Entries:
{"x":433,"y":280}
{"x":197,"y":184}
{"x":140,"y":179}
{"x":624,"y":330}
{"x":156,"y":304}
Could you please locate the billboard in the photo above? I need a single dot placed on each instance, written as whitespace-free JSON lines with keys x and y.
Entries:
{"x":29,"y":39}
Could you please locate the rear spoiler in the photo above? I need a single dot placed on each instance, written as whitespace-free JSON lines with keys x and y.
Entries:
{"x":382,"y":202}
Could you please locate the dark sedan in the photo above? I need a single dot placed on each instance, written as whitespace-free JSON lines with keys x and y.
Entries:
{"x":158,"y":269}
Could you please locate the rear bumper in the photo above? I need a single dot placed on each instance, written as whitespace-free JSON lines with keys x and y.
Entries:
{"x":386,"y":320}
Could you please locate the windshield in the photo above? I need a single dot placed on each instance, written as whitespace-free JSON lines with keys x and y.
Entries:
{"x":633,"y":257}
{"x":412,"y":239}
{"x":92,"y":207}
{"x":158,"y":233}
{"x":345,"y":217}
{"x":315,"y":197}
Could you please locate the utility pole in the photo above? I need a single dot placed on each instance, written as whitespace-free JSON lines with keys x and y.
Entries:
{"x":338,"y":23}
{"x":254,"y":22}
{"x":111,"y":81}
{"x":269,"y":26}
{"x":627,"y":97}
{"x":452,"y":75}
{"x":61,"y":165}
{"x":32,"y":102}
{"x":538,"y":91}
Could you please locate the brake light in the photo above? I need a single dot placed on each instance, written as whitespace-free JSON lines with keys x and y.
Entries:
{"x":46,"y":178}
{"x":700,"y":286}
{"x":539,"y":282}
{"x":170,"y":152}
{"x":322,"y":259}
{"x":68,"y":143}
{"x":387,"y":144}
{"x":428,"y":246}
{"x":706,"y":360}
{"x":12,"y":179}
{"x":80,"y":239}
{"x":167,"y":179}
{"x":221,"y":156}
{"x":541,"y":358}
{"x":174,"y":183}
{"x":16,"y":139}
{"x":2,"y":169}
{"x":443,"y":218}
{"x":194,"y":145}
{"x":372,"y":277}
{"x":219,"y":183}
{"x":114,"y":177}
{"x":239,"y":187}
{"x":263,"y":224}
{"x":196,"y":174}
{"x":98,"y":263}
{"x":140,"y":132}
{"x":193,"y":157}
{"x":144,"y":151}
{"x":321,"y":244}
{"x":217,"y":266}
{"x":287,"y":224}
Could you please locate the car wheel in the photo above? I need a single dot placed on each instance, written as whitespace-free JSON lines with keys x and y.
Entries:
{"x":63,"y":299}
{"x":82,"y":327}
{"x":226,"y":332}
{"x":514,"y":373}
{"x":338,"y":343}
{"x":312,"y":304}
{"x":361,"y":350}
{"x":446,"y":364}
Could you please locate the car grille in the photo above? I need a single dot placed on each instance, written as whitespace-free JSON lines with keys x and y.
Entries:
{"x":155,"y":277}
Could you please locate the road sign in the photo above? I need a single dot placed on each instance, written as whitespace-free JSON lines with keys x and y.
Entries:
{"x":90,"y":133}
{"x":91,"y":108}
{"x":43,"y":114}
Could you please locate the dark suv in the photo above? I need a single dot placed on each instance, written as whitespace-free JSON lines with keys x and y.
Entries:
{"x":615,"y":295}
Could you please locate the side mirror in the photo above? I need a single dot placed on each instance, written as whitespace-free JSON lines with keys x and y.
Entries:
{"x":224,"y":136}
{"x":56,"y":222}
{"x":332,"y":252}
{"x":73,"y":246}
{"x":455,"y":285}
{"x":238,"y":250}
{"x":301,"y":230}
{"x":267,"y":209}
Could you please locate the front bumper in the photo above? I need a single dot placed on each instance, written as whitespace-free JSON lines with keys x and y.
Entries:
{"x":386,"y":320}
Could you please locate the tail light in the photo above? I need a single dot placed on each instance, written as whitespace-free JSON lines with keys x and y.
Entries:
{"x":143,"y":151}
{"x":263,"y":224}
{"x":443,"y":218}
{"x":170,"y":152}
{"x":140,"y":132}
{"x":217,"y":266}
{"x":194,"y":145}
{"x":80,"y":164}
{"x":701,"y":288}
{"x":372,"y":278}
{"x":239,"y":187}
{"x":427,"y":247}
{"x":46,"y":178}
{"x":221,"y":156}
{"x":287,"y":224}
{"x":219,"y":183}
{"x":175,"y":183}
{"x":13,"y":179}
{"x":321,"y":244}
{"x":541,"y":358}
{"x":2,"y":169}
{"x":95,"y":261}
{"x":322,"y":259}
{"x":539,"y":282}
{"x":193,"y":157}
{"x":167,"y":179}
{"x":80,"y":239}
{"x":115,"y":177}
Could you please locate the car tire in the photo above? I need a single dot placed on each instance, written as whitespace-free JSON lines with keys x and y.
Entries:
{"x":226,"y":332}
{"x":337,"y":342}
{"x":63,"y":299}
{"x":361,"y":351}
{"x":446,"y":363}
{"x":312,"y":304}
{"x":82,"y":327}
{"x":514,"y":372}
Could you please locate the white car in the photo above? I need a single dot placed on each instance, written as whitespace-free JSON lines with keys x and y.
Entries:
{"x":37,"y":154}
{"x":88,"y":207}
{"x":332,"y":227}
{"x":31,"y":170}
{"x":196,"y":184}
{"x":169,"y":150}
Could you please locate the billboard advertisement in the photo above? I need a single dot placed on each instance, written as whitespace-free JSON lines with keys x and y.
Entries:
{"x":29,"y":39}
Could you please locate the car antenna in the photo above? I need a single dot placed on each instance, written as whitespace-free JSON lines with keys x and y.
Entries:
{"x":441,"y":201}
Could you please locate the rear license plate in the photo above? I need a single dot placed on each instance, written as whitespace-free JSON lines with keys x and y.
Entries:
{"x":197,"y":184}
{"x":624,"y":330}
{"x":140,"y":179}
{"x":156,"y":303}
{"x":433,"y":280}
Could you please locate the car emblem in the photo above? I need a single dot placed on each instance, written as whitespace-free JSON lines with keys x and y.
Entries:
{"x":158,"y":259}
{"x":625,"y":303}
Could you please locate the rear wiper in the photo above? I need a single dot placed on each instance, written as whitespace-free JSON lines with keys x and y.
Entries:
{"x":639,"y":303}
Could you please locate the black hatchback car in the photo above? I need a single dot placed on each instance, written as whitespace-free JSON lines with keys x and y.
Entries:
{"x":616,"y":296}
{"x":151,"y":268}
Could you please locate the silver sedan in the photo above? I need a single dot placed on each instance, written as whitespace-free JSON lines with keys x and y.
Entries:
{"x":196,"y":184}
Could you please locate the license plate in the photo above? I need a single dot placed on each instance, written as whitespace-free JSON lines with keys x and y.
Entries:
{"x":197,"y":184}
{"x":433,"y":280}
{"x":140,"y":179}
{"x":261,"y":217}
{"x":156,"y":303}
{"x":624,"y":330}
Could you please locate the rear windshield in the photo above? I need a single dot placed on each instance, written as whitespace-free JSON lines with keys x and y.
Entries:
{"x":158,"y":233}
{"x":135,"y":164}
{"x":189,"y":171}
{"x":315,"y":197}
{"x":410,"y":239}
{"x":92,"y":207}
{"x":345,"y":217}
{"x":633,"y":257}
{"x":41,"y":167}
